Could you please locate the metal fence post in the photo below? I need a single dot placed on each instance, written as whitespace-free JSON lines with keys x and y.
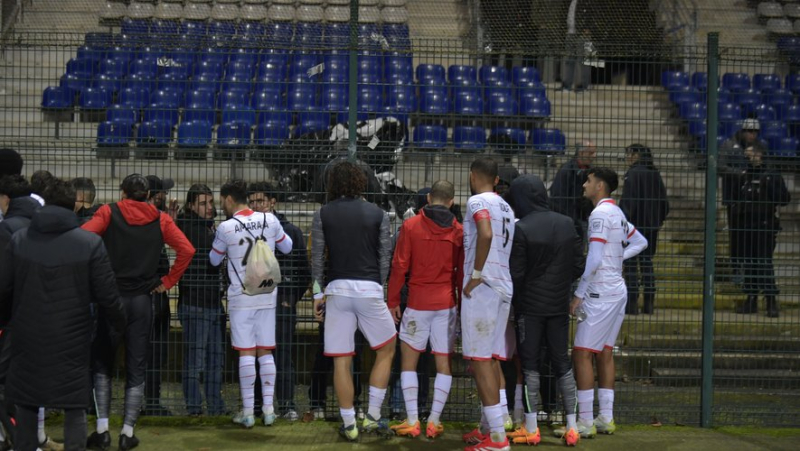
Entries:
{"x":352,"y":117}
{"x":709,"y":250}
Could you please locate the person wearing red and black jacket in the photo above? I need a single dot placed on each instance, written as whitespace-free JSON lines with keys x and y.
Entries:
{"x":134,"y":233}
{"x":430,"y":252}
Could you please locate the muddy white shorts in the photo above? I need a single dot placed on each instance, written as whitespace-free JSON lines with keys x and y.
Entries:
{"x":438,"y":326}
{"x":344,"y":314}
{"x":484,"y":319}
{"x":253,"y":329}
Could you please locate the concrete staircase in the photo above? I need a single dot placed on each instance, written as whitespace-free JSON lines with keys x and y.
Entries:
{"x":79,"y":16}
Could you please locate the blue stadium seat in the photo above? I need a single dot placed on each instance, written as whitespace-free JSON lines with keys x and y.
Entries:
{"x":399,"y":43}
{"x":780,"y":99}
{"x":334,"y":97}
{"x":729,"y":112}
{"x":684,"y":94}
{"x":237,"y":82}
{"x":493,"y":76}
{"x":508,"y":140}
{"x":302,"y":97}
{"x":535,"y":107}
{"x":154,"y":134}
{"x":74,"y":83}
{"x":531,"y":90}
{"x":271,"y":134}
{"x":501,"y":102}
{"x":201,"y":99}
{"x":107,"y":82}
{"x":242,"y":68}
{"x":433,"y":100}
{"x":365,"y":33}
{"x":154,"y":113}
{"x":173,"y":82}
{"x":280,"y":35}
{"x":400,"y":99}
{"x":430,"y":74}
{"x":724,"y":95}
{"x":467,"y":100}
{"x":308,"y":35}
{"x":700,"y":81}
{"x":784,"y":147}
{"x":268,"y":98}
{"x":309,"y":126}
{"x":300,"y":65}
{"x":206,"y":82}
{"x":166,"y":99}
{"x":674,"y":79}
{"x":462,"y":75}
{"x":81,"y":67}
{"x":247,"y":55}
{"x":764,"y":112}
{"x":233,"y":135}
{"x":697,"y":128}
{"x":134,"y":97}
{"x":395,"y":30}
{"x":193,"y":27}
{"x":214,"y":54}
{"x":736,"y":82}
{"x":369,"y":69}
{"x":135,"y":26}
{"x":469,"y":138}
{"x":95,"y":99}
{"x":274,"y":116}
{"x":145,"y":67}
{"x":57,"y":98}
{"x":270,"y":71}
{"x":430,"y":136}
{"x":194,"y":134}
{"x":773,"y":129}
{"x":114,"y":134}
{"x":221,"y":30}
{"x":91,"y":53}
{"x":239,"y":113}
{"x":164,"y":29}
{"x":764,"y":82}
{"x":370,"y":98}
{"x":548,"y":140}
{"x":252,"y":28}
{"x":693,"y":111}
{"x":525,"y":75}
{"x":122,"y":113}
{"x":114,"y":67}
{"x":196,"y":112}
{"x":214,"y":69}
{"x":181,"y":71}
{"x":98,"y":39}
{"x":748,"y":99}
{"x":336,"y":35}
{"x":398,"y":69}
{"x":152,"y":53}
{"x":793,"y":83}
{"x":728,"y":128}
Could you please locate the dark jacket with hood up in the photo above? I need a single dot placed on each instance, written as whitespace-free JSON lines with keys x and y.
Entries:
{"x":49,"y":275}
{"x":547,"y":254}
{"x":19,"y":214}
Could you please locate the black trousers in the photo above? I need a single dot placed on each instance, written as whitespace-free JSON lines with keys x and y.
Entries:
{"x":757,"y":248}
{"x":27,"y":429}
{"x":136,"y":337}
{"x":639,"y":269}
{"x":323,"y":368}
{"x":158,"y":349}
{"x":534,"y":332}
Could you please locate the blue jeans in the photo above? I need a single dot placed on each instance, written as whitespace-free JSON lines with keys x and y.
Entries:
{"x":203,"y":353}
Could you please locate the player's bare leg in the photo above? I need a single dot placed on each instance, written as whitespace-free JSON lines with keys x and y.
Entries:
{"x":378,"y":381}
{"x":584,"y":378}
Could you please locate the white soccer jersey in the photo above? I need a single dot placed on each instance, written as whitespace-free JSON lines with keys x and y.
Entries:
{"x":235,"y":238}
{"x":495,"y":272}
{"x":608,"y":225}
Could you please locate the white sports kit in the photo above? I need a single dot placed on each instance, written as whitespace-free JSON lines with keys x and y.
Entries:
{"x":252,"y":317}
{"x":484,"y":315}
{"x":438,"y":326}
{"x":355,"y":304}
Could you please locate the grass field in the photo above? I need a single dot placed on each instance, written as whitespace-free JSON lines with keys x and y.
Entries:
{"x":219,"y":434}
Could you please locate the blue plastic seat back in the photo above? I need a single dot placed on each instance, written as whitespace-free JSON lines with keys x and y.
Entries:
{"x":57,"y":98}
{"x":95,"y":99}
{"x":521,"y":76}
{"x":736,"y":81}
{"x":765,"y":82}
{"x":156,"y":113}
{"x":467,"y":100}
{"x":271,"y":134}
{"x":535,"y":107}
{"x":154,"y":134}
{"x":433,"y":100}
{"x":491,"y":75}
{"x":197,"y":113}
{"x":239,"y":113}
{"x":335,"y":97}
{"x":548,"y":140}
{"x":233,"y":135}
{"x":469,"y":138}
{"x":430,"y":136}
{"x":194,"y":134}
{"x":401,"y":99}
{"x":430,"y":74}
{"x":674,"y":79}
{"x":112,"y":134}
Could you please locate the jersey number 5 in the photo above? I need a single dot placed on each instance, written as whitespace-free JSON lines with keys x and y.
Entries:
{"x":506,"y":233}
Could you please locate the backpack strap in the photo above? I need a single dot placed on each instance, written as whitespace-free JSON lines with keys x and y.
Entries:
{"x":263,"y":226}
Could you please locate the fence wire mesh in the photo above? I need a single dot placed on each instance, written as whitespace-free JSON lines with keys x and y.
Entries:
{"x":203,"y":101}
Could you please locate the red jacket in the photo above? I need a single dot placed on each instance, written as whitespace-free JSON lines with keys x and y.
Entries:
{"x":140,"y":213}
{"x":432,"y":256}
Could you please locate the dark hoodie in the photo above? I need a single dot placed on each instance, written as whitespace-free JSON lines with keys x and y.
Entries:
{"x":430,"y":250}
{"x":200,"y":284}
{"x":142,"y":276}
{"x":19,"y":214}
{"x":547,"y":255}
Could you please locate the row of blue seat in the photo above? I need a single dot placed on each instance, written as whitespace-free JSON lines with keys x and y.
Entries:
{"x":237,"y":135}
{"x":733,"y":81}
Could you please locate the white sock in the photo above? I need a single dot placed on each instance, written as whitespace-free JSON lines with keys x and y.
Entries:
{"x":127,"y":430}
{"x":247,"y":380}
{"x":484,"y":424}
{"x":586,"y":405}
{"x":504,"y":402}
{"x":571,"y":424}
{"x":530,"y":422}
{"x":441,"y":390}
{"x":410,"y":384}
{"x":518,"y":406}
{"x":494,"y":415}
{"x":348,"y":416}
{"x":376,"y":396}
{"x":102,"y":425}
{"x":40,"y":426}
{"x":605,"y":397}
{"x":268,"y":375}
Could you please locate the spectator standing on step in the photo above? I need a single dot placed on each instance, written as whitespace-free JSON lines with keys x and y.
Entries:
{"x":50,"y":274}
{"x":85,"y":193}
{"x":200,"y":308}
{"x":296,"y":279}
{"x":644,"y":202}
{"x":566,"y":192}
{"x":755,"y":225}
{"x":134,"y":233}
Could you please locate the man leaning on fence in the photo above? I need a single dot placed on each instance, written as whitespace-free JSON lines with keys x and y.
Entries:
{"x":134,"y":233}
{"x":50,"y":273}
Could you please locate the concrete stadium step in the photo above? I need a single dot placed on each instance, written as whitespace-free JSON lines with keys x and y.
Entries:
{"x":723,"y":360}
{"x":670,"y":321}
{"x":619,"y":127}
{"x":447,"y":19}
{"x":609,"y":110}
{"x":727,"y":343}
{"x":749,"y":378}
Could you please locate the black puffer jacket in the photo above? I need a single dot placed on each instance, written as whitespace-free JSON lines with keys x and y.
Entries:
{"x":49,"y":275}
{"x":644,"y":197}
{"x":295,"y":270}
{"x":19,"y":214}
{"x":547,"y":255}
{"x":200,"y":284}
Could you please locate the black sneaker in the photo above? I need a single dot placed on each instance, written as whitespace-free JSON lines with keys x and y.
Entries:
{"x":126,"y":443}
{"x":99,"y":441}
{"x":4,"y":445}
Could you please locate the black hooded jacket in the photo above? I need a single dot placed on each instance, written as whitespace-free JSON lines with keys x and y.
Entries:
{"x":49,"y":275}
{"x":547,"y":254}
{"x":19,"y":214}
{"x":644,"y":197}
